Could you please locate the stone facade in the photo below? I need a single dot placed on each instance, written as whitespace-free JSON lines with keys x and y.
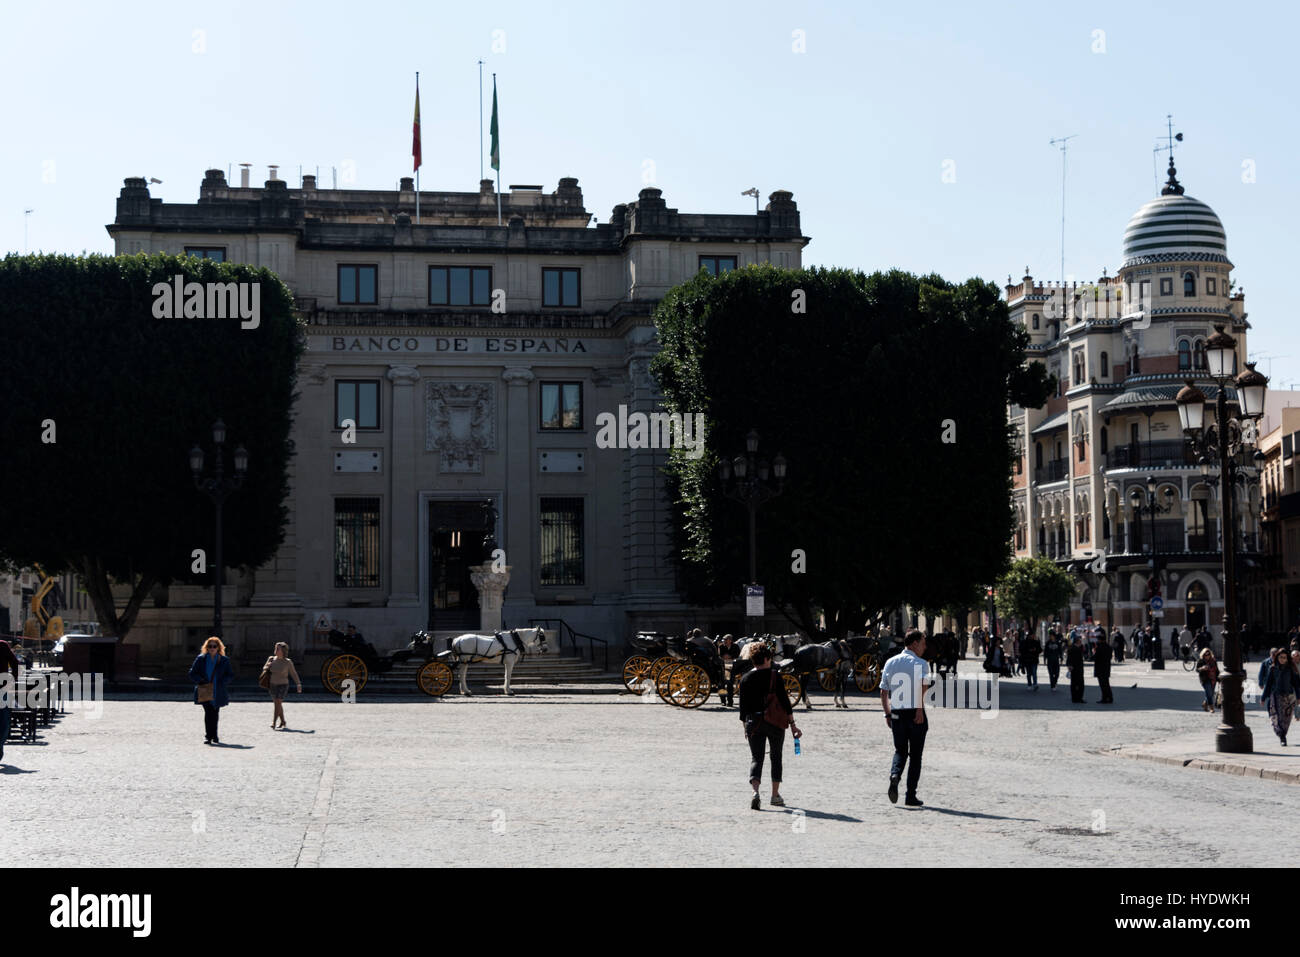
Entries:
{"x":444,"y":334}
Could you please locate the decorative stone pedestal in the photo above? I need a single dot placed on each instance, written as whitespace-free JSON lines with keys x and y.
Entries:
{"x":491,"y":587}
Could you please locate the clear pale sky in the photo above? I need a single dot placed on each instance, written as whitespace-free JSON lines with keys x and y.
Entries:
{"x":709,"y":97}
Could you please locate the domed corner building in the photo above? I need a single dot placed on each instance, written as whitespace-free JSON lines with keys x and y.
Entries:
{"x":1121,"y":349}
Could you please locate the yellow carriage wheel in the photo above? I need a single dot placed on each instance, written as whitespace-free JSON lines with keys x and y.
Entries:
{"x":866,"y":673}
{"x":826,"y":679}
{"x":703,"y":687}
{"x":680,"y":685}
{"x":636,"y":673}
{"x":339,"y":669}
{"x":791,"y":687}
{"x":662,"y":678}
{"x":658,"y":665}
{"x":434,"y":678}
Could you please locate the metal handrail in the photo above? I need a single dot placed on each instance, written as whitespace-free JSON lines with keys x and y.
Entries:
{"x":573,"y":639}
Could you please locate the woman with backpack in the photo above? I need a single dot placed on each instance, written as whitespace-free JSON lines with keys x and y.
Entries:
{"x":765,"y":711}
{"x":1207,"y":669}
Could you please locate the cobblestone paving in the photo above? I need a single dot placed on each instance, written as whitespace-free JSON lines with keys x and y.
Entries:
{"x":610,"y":779}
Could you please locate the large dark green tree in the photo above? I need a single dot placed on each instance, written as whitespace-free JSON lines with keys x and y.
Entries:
{"x":887,"y":394}
{"x":124,"y":395}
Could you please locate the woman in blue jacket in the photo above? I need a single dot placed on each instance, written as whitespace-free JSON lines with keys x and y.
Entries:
{"x":1281,"y":689}
{"x":211,"y":671}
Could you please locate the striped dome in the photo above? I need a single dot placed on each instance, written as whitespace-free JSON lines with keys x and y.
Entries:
{"x":1174,"y":227}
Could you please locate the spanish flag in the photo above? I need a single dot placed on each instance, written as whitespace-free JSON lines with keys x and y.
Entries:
{"x":415,"y":132}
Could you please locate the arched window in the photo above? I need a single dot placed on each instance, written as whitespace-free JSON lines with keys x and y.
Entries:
{"x":1105,"y":365}
{"x":1189,"y":284}
{"x":1184,"y":355}
{"x":1198,"y":355}
{"x":1035,"y":322}
{"x":1133,"y":362}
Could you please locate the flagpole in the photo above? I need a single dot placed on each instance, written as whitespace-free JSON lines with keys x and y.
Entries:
{"x":480,"y":121}
{"x":498,"y":155}
{"x":417,"y":169}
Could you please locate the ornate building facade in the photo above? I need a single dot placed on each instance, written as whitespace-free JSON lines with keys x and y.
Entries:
{"x":473,"y":360}
{"x":1121,"y":349}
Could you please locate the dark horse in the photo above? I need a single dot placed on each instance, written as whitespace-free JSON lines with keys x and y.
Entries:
{"x":836,"y":656}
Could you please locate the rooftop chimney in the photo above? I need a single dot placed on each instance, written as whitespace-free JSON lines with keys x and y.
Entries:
{"x":243,"y":174}
{"x":274,"y":172}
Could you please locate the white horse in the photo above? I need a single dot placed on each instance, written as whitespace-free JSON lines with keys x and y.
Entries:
{"x":509,"y":646}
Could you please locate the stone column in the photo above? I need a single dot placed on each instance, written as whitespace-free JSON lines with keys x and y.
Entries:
{"x":517,"y":493}
{"x":403,"y":500}
{"x":491,"y":587}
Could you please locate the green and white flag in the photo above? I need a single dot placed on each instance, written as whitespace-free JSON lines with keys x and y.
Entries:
{"x":496,"y":142}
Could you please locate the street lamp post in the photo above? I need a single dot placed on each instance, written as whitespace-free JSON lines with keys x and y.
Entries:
{"x":218,"y":487}
{"x":1149,"y":504}
{"x":752,"y":487}
{"x":1226,"y":438}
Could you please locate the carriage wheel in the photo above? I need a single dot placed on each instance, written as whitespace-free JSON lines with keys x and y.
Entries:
{"x":791,"y":686}
{"x":679,"y":685}
{"x":658,"y":665}
{"x":661,"y":679}
{"x":826,"y":679}
{"x":703,"y":687}
{"x":866,"y":673}
{"x":434,"y":678}
{"x":339,"y":669}
{"x":636,"y":672}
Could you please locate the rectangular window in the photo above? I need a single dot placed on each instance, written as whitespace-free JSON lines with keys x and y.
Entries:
{"x":217,"y":253}
{"x":460,"y":285}
{"x":356,"y":543}
{"x":358,"y":285}
{"x":358,"y":401}
{"x":561,"y":405}
{"x":1209,"y":286}
{"x":561,"y":541}
{"x":714,"y":265}
{"x":1166,"y":287}
{"x":561,"y":287}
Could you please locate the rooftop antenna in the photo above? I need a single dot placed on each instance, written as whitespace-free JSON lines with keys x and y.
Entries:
{"x":752,"y":191}
{"x":1269,"y":357}
{"x":1063,"y":143}
{"x":1172,"y":188}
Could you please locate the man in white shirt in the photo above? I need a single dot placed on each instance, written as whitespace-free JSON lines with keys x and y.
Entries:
{"x":903,"y":684}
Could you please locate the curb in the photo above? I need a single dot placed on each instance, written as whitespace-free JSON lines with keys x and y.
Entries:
{"x":1209,"y":764}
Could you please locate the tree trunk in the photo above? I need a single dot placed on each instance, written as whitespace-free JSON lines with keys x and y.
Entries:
{"x":100,"y":590}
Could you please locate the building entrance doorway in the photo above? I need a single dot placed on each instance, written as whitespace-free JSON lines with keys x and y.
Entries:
{"x":1198,"y":606}
{"x":456,"y":534}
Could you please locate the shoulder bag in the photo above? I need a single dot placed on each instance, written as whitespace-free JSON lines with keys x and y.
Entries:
{"x":265,"y":680}
{"x":773,"y":713}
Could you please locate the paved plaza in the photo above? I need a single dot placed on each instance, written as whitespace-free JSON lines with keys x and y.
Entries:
{"x":591,"y":779}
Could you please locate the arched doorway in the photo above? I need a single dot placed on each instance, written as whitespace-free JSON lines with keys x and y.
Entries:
{"x":1198,"y":606}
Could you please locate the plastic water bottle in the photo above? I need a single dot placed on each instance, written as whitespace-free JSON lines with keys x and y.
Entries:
{"x":796,"y":745}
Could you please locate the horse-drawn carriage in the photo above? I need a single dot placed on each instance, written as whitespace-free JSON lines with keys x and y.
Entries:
{"x":651,"y":657}
{"x":358,"y":659}
{"x":684,"y":671}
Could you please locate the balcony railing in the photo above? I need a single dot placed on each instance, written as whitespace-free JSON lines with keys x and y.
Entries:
{"x":1052,"y":471}
{"x":1160,"y":455}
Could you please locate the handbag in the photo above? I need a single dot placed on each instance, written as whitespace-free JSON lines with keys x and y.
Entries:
{"x":773,"y":713}
{"x":265,"y":680}
{"x":204,"y":694}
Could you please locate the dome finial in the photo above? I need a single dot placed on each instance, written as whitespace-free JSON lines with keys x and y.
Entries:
{"x":1173,"y":187}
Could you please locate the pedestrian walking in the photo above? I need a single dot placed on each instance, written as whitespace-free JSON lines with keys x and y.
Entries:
{"x":1207,"y":669}
{"x":1030,"y":649}
{"x":765,"y":711}
{"x":1052,"y":655}
{"x":1074,"y":662}
{"x":1117,"y":643}
{"x":729,"y":652}
{"x":279,"y":668}
{"x":1009,"y":651}
{"x":1265,"y":667}
{"x":1101,"y":671}
{"x":211,"y":672}
{"x":903,"y":684}
{"x":1281,"y":692}
{"x":1184,"y":641}
{"x":9,"y":663}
